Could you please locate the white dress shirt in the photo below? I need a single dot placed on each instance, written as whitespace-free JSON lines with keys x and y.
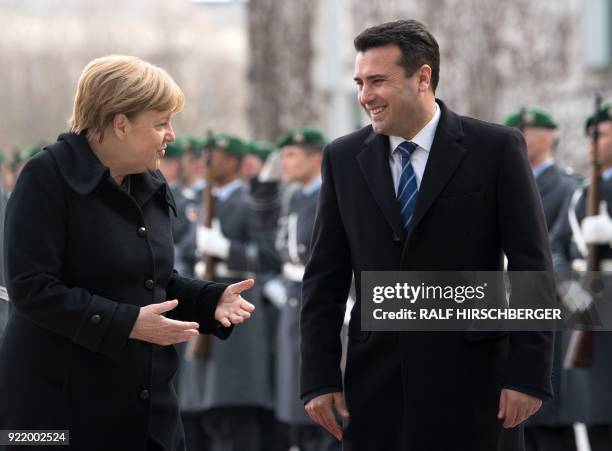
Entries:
{"x":423,"y":139}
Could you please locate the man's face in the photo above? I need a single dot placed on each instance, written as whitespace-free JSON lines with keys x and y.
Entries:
{"x":387,"y":95}
{"x":250,"y":167}
{"x":604,"y":144}
{"x":296,"y":164}
{"x":539,"y":143}
{"x":221,"y":165}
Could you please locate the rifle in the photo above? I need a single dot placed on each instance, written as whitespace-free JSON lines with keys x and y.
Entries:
{"x":200,"y":346}
{"x":580,"y":348}
{"x":522,"y":122}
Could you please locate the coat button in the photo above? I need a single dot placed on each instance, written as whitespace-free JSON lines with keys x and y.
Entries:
{"x":396,"y":238}
{"x":293,"y":302}
{"x":144,"y":394}
{"x":149,"y":284}
{"x":142,"y":231}
{"x":96,"y":319}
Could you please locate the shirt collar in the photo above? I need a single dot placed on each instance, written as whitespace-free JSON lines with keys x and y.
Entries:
{"x":198,"y":185}
{"x":224,"y":192}
{"x":424,"y":138}
{"x":312,"y":187}
{"x":537,"y":171}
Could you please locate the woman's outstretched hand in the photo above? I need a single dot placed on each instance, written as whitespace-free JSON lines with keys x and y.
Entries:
{"x":232,"y":308}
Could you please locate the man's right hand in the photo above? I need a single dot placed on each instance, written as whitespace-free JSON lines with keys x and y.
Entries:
{"x":321,"y":410}
{"x":151,"y":326}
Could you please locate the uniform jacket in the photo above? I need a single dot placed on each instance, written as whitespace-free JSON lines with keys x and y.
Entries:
{"x":585,"y":394}
{"x":4,"y":306}
{"x":82,"y":257}
{"x":294,"y":246}
{"x":555,"y":187}
{"x":236,"y":372}
{"x":478,"y":199}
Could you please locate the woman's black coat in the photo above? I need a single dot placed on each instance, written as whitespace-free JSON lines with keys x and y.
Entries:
{"x":82,"y":256}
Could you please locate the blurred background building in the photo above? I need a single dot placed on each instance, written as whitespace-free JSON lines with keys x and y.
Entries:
{"x":256,"y":67}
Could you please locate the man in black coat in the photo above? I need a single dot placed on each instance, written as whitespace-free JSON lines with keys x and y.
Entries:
{"x":476,"y":200}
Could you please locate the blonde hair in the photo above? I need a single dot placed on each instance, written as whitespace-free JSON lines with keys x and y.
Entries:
{"x":118,"y":84}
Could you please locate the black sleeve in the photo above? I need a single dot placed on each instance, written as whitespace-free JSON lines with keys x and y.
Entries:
{"x":198,"y":300}
{"x":33,"y":259}
{"x":524,"y":239}
{"x":325,"y":289}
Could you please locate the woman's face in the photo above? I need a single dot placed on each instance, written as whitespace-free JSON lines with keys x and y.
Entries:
{"x":148,"y":134}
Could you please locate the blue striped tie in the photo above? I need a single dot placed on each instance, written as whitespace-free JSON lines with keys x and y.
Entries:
{"x":407,"y":189}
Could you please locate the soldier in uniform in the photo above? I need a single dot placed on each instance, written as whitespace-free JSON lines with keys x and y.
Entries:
{"x":263,"y":181}
{"x":554,"y":183}
{"x":4,"y":307}
{"x":188,"y":199}
{"x":570,"y":237}
{"x":6,"y":173}
{"x":260,"y":170}
{"x":551,"y":428}
{"x":300,"y":159}
{"x":170,"y":166}
{"x":254,"y":159}
{"x":229,"y":390}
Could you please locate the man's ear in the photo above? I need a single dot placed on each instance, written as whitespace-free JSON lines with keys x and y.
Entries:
{"x":120,"y":126}
{"x":424,"y":77}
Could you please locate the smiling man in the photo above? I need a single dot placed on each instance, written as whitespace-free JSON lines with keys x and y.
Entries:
{"x":421,"y":188}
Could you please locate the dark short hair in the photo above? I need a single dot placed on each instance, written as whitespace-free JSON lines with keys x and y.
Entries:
{"x":417,"y":44}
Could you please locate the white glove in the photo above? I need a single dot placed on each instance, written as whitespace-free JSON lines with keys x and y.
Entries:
{"x":598,"y":229}
{"x":574,"y":297}
{"x":271,"y":170}
{"x":199,"y":270}
{"x":276,"y":292}
{"x":210,"y":241}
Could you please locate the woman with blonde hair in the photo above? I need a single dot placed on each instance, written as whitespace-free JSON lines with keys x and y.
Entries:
{"x":89,"y":257}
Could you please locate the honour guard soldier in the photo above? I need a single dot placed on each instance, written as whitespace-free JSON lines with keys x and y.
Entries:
{"x":254,"y":159}
{"x":263,"y":181}
{"x":573,"y":238}
{"x":188,"y":199}
{"x":551,"y":427}
{"x":300,"y":159}
{"x":4,"y":307}
{"x":554,"y":183}
{"x":229,"y":388}
{"x":170,"y":166}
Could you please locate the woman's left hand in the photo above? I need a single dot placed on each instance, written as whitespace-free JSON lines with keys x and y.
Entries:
{"x":232,"y":308}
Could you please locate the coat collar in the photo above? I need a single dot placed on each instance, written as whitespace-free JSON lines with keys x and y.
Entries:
{"x":77,"y":164}
{"x":83,"y":172}
{"x":445,"y":155}
{"x":373,"y":161}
